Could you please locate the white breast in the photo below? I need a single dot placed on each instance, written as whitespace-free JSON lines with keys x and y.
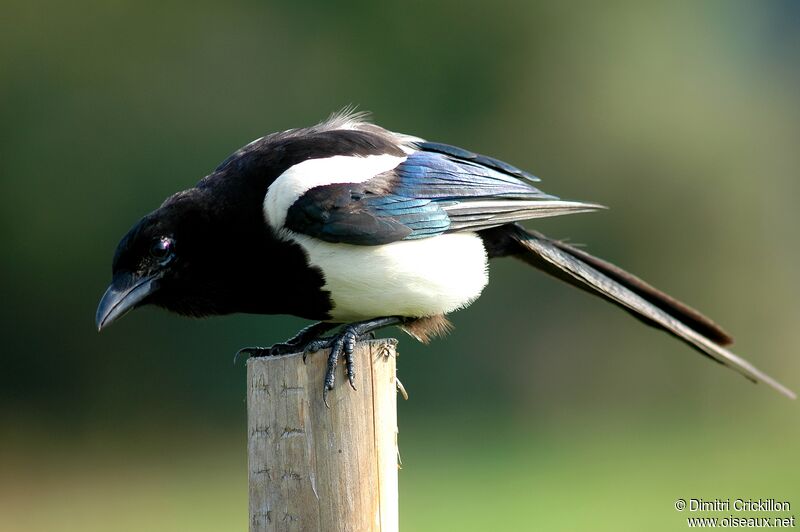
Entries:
{"x":413,"y":278}
{"x":304,"y":176}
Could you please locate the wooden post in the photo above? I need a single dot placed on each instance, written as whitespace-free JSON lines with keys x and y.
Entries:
{"x":317,"y":468}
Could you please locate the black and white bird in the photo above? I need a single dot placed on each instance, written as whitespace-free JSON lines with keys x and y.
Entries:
{"x":355,"y":226}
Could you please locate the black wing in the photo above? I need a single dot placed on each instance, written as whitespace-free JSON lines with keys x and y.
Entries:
{"x":437,"y":189}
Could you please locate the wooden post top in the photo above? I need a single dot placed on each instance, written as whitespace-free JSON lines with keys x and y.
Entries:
{"x":317,"y":468}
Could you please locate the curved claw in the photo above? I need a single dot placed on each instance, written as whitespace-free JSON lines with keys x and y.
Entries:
{"x":325,"y":397}
{"x":249,"y":351}
{"x":272,"y":351}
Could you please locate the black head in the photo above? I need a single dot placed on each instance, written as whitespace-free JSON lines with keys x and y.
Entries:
{"x":163,"y":259}
{"x":208,"y":250}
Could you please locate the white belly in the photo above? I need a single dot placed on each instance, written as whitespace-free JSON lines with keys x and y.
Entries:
{"x":414,"y":278}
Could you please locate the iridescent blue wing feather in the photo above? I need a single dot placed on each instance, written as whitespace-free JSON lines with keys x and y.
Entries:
{"x":437,"y":189}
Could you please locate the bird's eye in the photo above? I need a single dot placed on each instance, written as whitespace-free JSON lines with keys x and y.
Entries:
{"x":163,"y":249}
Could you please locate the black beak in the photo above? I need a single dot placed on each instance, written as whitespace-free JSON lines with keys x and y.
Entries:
{"x":125,"y":293}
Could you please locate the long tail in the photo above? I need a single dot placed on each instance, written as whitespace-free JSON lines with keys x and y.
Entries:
{"x":613,"y":284}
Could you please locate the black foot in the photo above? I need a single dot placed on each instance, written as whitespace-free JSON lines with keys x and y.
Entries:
{"x":343,"y":344}
{"x":295,"y":344}
{"x":274,"y":350}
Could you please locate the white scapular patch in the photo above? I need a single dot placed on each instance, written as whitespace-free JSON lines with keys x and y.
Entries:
{"x":412,"y":278}
{"x":304,"y":176}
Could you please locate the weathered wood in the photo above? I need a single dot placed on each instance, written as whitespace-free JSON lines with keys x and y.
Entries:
{"x":317,"y":468}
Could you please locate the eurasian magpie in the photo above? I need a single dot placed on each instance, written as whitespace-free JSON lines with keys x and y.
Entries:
{"x":356,"y":226}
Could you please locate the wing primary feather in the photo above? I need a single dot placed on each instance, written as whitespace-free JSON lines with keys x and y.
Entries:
{"x":478,"y":215}
{"x":477,"y":159}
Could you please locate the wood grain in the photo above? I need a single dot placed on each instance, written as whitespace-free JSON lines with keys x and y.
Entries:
{"x":317,"y":468}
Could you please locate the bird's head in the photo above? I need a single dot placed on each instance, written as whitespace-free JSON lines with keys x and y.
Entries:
{"x":155,"y":262}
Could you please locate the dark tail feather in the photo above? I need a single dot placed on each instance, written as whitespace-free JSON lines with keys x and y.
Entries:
{"x":668,"y":304}
{"x":613,"y":284}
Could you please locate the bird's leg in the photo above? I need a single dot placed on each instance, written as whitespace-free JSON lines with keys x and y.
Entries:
{"x":343,"y":343}
{"x":295,"y":344}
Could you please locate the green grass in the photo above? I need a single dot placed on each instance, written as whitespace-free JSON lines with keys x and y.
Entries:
{"x":585,"y":476}
{"x":591,"y":479}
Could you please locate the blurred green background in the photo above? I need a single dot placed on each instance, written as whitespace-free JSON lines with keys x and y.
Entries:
{"x":546,"y":408}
